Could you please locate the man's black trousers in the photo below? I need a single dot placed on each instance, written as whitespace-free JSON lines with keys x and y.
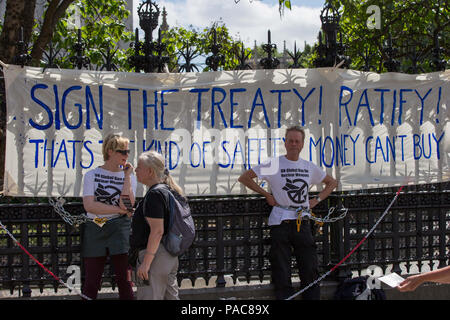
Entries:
{"x":285,"y":241}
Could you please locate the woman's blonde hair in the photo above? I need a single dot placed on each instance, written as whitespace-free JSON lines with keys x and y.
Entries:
{"x":155,"y":161}
{"x":113,"y":142}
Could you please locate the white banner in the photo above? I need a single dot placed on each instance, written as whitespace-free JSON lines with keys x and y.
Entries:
{"x":367,"y":130}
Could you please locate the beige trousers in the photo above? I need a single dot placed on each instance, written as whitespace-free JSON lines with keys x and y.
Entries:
{"x":162,"y":284}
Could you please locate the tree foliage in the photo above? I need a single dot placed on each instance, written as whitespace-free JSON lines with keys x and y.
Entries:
{"x":101,"y":22}
{"x":412,"y":25}
{"x":102,"y":29}
{"x":178,"y":39}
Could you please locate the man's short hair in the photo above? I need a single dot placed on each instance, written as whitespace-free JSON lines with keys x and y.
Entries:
{"x":295,"y":128}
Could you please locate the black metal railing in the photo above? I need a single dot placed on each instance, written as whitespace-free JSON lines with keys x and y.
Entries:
{"x":233,"y":237}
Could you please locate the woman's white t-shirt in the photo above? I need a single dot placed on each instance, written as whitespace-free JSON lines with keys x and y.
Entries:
{"x":106,"y":187}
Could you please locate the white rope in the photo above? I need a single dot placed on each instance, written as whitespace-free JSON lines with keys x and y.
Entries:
{"x":351,"y":252}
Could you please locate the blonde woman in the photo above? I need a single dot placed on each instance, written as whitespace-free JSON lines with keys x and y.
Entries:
{"x":156,"y":269}
{"x":108,"y":232}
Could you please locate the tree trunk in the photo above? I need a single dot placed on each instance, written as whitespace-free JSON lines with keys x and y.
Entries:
{"x":18,"y":13}
{"x":54,"y":12}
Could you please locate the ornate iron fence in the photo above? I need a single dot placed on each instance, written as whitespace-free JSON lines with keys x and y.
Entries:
{"x":233,"y":237}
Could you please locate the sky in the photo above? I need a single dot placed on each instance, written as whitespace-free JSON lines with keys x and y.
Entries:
{"x":248,"y":20}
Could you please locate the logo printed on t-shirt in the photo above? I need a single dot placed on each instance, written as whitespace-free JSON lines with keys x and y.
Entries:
{"x":297,"y":190}
{"x":107,"y":194}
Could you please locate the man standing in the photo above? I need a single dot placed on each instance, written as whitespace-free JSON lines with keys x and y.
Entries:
{"x":290,"y":178}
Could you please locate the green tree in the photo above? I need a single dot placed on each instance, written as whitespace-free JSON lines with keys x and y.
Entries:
{"x":200,"y":42}
{"x":412,"y":25}
{"x":102,"y":29}
{"x":101,"y":20}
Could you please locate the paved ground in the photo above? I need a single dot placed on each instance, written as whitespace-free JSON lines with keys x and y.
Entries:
{"x":201,"y":290}
{"x":239,"y":291}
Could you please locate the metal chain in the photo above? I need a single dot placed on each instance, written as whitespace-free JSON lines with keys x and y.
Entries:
{"x":306,"y":213}
{"x":58,"y":206}
{"x":327,"y":218}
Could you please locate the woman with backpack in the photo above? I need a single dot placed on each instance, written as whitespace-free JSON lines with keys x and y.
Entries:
{"x":156,"y":269}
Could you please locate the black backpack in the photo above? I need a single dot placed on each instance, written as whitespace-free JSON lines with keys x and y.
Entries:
{"x":181,"y":231}
{"x":356,"y":289}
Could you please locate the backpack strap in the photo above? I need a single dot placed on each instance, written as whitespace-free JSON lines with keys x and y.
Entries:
{"x":171,"y":213}
{"x":171,"y":204}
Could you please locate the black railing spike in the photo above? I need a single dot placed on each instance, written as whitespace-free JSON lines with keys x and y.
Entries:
{"x":391,"y":64}
{"x":188,"y":55}
{"x":149,"y":55}
{"x":242,"y":57}
{"x":437,"y":63}
{"x":22,"y":57}
{"x":270,"y":62}
{"x":51,"y":56}
{"x":217,"y":59}
{"x":295,"y":56}
{"x":108,"y":58}
{"x":79,"y":60}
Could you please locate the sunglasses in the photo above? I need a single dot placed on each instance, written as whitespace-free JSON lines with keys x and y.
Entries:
{"x":124,"y":152}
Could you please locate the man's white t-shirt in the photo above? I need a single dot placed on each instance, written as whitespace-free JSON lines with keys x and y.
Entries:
{"x":289,"y":182}
{"x":106,"y":187}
